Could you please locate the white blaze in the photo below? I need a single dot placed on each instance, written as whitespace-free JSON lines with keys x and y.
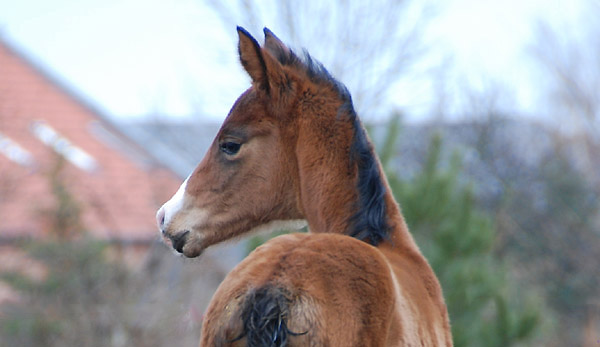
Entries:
{"x":174,"y":205}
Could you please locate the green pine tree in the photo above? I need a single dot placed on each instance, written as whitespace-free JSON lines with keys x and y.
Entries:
{"x":485,"y":308}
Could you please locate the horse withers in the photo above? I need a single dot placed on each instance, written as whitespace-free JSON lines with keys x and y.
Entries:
{"x":292,"y":151}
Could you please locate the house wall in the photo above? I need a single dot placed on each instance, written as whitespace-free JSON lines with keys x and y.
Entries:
{"x":116,"y":186}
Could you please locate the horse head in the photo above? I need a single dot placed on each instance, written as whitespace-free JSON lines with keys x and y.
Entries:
{"x":249,"y":178}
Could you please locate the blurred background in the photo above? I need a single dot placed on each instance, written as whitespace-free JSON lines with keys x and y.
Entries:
{"x":486,"y":116}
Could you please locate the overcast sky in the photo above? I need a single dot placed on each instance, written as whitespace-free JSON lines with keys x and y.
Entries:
{"x":137,"y":57}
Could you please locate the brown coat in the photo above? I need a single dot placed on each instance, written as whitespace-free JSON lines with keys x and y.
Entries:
{"x":292,"y":148}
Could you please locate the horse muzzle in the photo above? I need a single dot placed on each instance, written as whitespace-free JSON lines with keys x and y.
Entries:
{"x":178,"y":240}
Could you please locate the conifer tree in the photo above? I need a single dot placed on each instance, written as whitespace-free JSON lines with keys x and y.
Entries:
{"x":485,"y":308}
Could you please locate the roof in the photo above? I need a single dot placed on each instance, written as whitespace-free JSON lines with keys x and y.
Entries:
{"x":116,"y":183}
{"x":180,"y":146}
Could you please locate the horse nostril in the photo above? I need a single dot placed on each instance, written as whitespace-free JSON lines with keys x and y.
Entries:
{"x":160,"y":218}
{"x":179,"y":240}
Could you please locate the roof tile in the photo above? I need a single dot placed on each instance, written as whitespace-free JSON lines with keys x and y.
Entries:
{"x":118,"y":199}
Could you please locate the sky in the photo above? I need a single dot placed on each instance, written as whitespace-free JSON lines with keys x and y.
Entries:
{"x":134,"y":58}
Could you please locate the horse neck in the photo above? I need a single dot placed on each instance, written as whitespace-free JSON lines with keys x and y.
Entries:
{"x":329,"y":175}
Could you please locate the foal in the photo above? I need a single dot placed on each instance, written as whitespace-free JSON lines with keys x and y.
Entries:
{"x":293,"y":151}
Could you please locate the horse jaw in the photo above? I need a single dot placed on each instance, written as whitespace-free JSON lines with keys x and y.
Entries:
{"x":182,"y":224}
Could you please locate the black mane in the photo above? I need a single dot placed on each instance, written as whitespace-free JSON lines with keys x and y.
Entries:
{"x":370,"y":219}
{"x":369,"y":222}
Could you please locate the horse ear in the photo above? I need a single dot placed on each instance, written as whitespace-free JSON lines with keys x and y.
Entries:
{"x":262,"y":67}
{"x":276,"y":47}
{"x":251,"y":57}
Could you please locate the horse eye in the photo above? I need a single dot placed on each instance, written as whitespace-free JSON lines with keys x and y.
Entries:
{"x":230,"y":148}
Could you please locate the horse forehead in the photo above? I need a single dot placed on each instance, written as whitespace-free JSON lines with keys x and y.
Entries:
{"x":248,"y":107}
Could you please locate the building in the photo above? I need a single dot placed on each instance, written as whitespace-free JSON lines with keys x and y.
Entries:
{"x":58,"y":151}
{"x":61,"y":157}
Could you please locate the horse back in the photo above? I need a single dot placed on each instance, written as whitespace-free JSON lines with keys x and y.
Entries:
{"x":314,"y":290}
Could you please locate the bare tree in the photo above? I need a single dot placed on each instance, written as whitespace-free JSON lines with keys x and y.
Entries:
{"x":565,"y":245}
{"x":369,"y":46}
{"x":570,"y":61}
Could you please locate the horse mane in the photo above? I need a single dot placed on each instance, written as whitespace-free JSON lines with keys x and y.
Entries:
{"x":369,"y":221}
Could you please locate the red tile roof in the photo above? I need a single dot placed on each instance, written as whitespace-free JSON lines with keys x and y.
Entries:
{"x":117,"y":185}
